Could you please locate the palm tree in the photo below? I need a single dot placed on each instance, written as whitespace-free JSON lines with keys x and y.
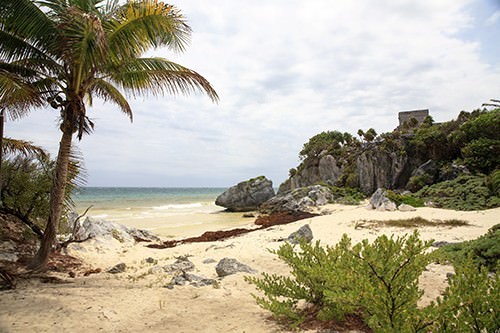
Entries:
{"x":75,"y":50}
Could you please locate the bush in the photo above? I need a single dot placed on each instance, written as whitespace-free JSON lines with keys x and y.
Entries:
{"x":380,"y":279}
{"x":387,"y":272}
{"x":470,"y":303}
{"x":485,"y":251}
{"x":314,"y":270}
{"x":465,"y":192}
{"x":399,"y":199}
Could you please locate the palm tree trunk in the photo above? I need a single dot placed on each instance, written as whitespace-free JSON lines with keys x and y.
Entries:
{"x":56,"y":200}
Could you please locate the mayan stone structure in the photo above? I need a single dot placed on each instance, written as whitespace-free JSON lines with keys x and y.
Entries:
{"x":419,"y":115}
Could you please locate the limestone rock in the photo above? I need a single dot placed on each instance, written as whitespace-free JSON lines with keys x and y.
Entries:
{"x":379,"y":201}
{"x":247,"y":195}
{"x":193,"y":280}
{"x":182,"y":264}
{"x":304,"y":232}
{"x":228,"y":266}
{"x":300,"y":199}
{"x":118,"y":268}
{"x":406,"y":208}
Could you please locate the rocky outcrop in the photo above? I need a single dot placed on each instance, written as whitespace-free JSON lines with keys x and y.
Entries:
{"x":228,"y":266}
{"x":327,"y":169}
{"x":102,"y":229}
{"x":301,"y":199}
{"x":377,"y":168}
{"x":304,"y":233}
{"x":247,"y":195}
{"x":379,"y":201}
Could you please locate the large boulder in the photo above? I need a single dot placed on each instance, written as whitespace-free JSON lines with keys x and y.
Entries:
{"x":379,"y":201}
{"x":229,"y":266}
{"x":246,"y":196}
{"x":298,"y":200}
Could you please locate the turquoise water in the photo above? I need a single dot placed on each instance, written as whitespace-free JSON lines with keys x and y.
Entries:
{"x":145,"y":197}
{"x":169,"y":212}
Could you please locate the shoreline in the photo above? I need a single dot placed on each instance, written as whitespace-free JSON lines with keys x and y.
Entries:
{"x":137,"y":300}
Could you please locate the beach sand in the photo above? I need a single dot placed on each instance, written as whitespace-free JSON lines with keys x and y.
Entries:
{"x":136,"y":300}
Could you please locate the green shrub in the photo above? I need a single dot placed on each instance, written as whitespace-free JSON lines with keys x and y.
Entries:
{"x":465,"y":192}
{"x":387,"y":273}
{"x":379,"y":279}
{"x":415,"y":183}
{"x":493,"y":182}
{"x":485,"y":251}
{"x":311,"y":275}
{"x":470,"y":303}
{"x":399,"y":199}
{"x":482,"y":155}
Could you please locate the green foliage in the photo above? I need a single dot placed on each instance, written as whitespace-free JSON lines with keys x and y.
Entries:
{"x":484,"y":251}
{"x":345,"y":195}
{"x":26,"y":188}
{"x":378,"y":279}
{"x":465,"y":192}
{"x":416,"y":182}
{"x":408,"y":199}
{"x":482,"y":154}
{"x":471,"y":301}
{"x":312,"y":269}
{"x":387,"y":272}
{"x":493,"y":182}
{"x":330,"y":141}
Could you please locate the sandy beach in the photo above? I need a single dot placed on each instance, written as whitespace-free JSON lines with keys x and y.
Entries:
{"x":137,"y":300}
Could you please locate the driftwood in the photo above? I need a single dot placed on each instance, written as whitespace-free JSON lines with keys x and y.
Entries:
{"x":7,"y":280}
{"x":76,"y":228}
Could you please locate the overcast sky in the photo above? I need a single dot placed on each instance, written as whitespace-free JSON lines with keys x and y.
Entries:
{"x":286,"y":70}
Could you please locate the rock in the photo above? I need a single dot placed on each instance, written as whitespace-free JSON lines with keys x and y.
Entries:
{"x":248,"y":215}
{"x":378,"y":168}
{"x":156,"y":270}
{"x":247,"y":195}
{"x":118,"y":268}
{"x":298,"y":200}
{"x":193,"y":280}
{"x":181,"y":264}
{"x":406,"y":208}
{"x":99,"y":228}
{"x":151,"y":260}
{"x":380,"y":202}
{"x":440,"y":243}
{"x":209,"y":261}
{"x":228,"y":266}
{"x":327,"y":169}
{"x":304,"y":232}
{"x":428,"y":168}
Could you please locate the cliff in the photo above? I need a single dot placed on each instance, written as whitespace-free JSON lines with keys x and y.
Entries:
{"x":409,"y":157}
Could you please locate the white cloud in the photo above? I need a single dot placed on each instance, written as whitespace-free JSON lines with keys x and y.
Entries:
{"x":494,"y":18}
{"x":285,"y":70}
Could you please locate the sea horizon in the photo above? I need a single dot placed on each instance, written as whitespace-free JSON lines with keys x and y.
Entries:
{"x":166,"y":211}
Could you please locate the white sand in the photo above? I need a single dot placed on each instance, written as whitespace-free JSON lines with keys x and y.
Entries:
{"x":136,"y":301}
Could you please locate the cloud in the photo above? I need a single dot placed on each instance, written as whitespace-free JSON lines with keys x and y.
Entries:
{"x":285,"y":71}
{"x":494,"y":18}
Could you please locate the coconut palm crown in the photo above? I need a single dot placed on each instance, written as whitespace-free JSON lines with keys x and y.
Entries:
{"x":64,"y":53}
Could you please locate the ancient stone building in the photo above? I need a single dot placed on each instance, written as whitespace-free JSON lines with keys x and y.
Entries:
{"x":419,"y":115}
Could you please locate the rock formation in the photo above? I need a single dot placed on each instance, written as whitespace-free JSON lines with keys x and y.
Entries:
{"x":300,"y":199}
{"x":247,"y":195}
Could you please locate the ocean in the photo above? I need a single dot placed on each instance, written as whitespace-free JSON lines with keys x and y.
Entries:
{"x":168,"y":212}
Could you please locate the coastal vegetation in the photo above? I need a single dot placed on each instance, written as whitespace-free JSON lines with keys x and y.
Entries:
{"x":377,"y":282}
{"x":452,"y":165}
{"x":65,"y":53}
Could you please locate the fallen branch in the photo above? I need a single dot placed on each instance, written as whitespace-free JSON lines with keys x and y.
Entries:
{"x":76,"y":228}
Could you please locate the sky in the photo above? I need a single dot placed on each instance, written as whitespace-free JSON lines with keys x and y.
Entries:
{"x":286,"y":70}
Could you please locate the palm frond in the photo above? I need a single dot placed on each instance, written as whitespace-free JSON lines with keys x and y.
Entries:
{"x":24,"y":19}
{"x":16,"y":95}
{"x":84,"y":44}
{"x":158,"y":75}
{"x":106,"y":91}
{"x":26,"y":148}
{"x":141,"y":25}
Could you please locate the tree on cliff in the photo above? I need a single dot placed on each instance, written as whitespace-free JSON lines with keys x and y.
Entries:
{"x":71,"y":51}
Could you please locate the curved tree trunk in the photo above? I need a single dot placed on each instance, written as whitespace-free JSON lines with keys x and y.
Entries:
{"x":56,"y":198}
